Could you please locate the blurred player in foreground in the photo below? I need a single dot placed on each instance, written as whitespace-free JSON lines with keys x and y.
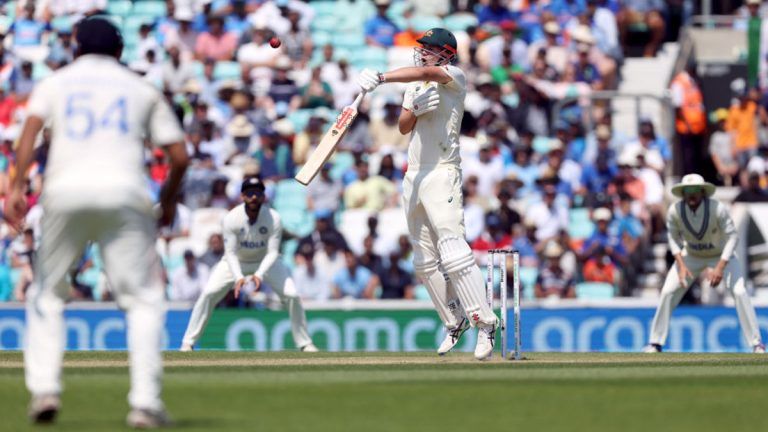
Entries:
{"x":252,"y":234}
{"x":701,"y":235}
{"x":94,"y":190}
{"x":432,"y":110}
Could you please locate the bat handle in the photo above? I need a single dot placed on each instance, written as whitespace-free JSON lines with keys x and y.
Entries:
{"x":356,"y":104}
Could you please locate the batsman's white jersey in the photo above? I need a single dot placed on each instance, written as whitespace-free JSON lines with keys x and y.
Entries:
{"x":704,"y":237}
{"x":99,"y":113}
{"x":249,"y":249}
{"x":433,"y":201}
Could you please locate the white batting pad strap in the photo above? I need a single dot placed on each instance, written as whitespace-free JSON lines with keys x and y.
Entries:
{"x":466,"y":279}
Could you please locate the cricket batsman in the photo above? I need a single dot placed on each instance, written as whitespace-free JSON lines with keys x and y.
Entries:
{"x":99,"y":113}
{"x":433,"y":106}
{"x":701,"y":235}
{"x":252,"y":234}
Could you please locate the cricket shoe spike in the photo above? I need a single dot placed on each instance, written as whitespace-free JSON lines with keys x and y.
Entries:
{"x":453,"y":336}
{"x":486,"y":338}
{"x":652,"y":348}
{"x":309,"y":348}
{"x":140,"y":418}
{"x":43,"y":408}
{"x":758,"y":349}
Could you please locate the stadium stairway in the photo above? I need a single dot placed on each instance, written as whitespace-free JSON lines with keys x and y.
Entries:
{"x":646,"y":76}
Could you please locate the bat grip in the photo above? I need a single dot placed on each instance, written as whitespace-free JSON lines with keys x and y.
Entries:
{"x":356,"y":104}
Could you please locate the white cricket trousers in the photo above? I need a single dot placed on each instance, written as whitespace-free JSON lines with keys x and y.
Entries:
{"x":126,"y":239}
{"x":222,"y":280}
{"x":672,"y":292}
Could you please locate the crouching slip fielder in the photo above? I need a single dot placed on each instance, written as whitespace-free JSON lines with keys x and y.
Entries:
{"x":432,"y":110}
{"x":252,"y":235}
{"x":701,"y":235}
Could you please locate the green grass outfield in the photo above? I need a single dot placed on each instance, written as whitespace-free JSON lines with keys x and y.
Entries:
{"x":207,"y":391}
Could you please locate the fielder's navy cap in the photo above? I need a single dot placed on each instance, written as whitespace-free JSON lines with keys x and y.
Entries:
{"x":98,"y":35}
{"x":252,"y":183}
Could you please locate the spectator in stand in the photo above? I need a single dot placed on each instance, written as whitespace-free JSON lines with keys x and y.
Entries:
{"x":219,"y":197}
{"x":494,"y":237}
{"x":216,"y":43}
{"x":626,"y":226}
{"x":754,"y":192}
{"x":325,"y":232}
{"x":524,"y":170}
{"x":526,"y":244}
{"x":602,"y":237}
{"x":396,"y":283}
{"x":600,"y":268}
{"x":215,"y":251}
{"x":317,"y":93}
{"x":22,"y":83}
{"x":721,"y":148}
{"x":488,"y":167}
{"x":691,"y":121}
{"x":283,"y":96}
{"x":372,"y":193}
{"x":22,"y":260}
{"x":602,"y":23}
{"x":187,"y":281}
{"x":755,"y":39}
{"x":345,"y":88}
{"x":158,"y":167}
{"x":553,"y":281}
{"x":324,"y":193}
{"x":370,"y":259}
{"x":182,"y":36}
{"x":147,"y":41}
{"x":555,"y":53}
{"x":380,"y":30}
{"x":176,"y":72}
{"x":568,"y":171}
{"x":492,"y":50}
{"x":28,"y":33}
{"x":596,"y":177}
{"x":240,"y":134}
{"x":354,"y":280}
{"x":274,"y":157}
{"x":585,"y":71}
{"x":742,"y":124}
{"x":495,"y":12}
{"x":387,"y":168}
{"x":311,"y":282}
{"x":297,"y":42}
{"x":643,"y":12}
{"x":62,"y":50}
{"x":551,"y":215}
{"x":385,"y":132}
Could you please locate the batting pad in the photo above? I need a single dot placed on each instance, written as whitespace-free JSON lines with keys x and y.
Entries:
{"x":443,"y":297}
{"x":459,"y":264}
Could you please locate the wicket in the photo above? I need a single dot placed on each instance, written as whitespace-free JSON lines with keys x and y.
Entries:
{"x":503,"y":253}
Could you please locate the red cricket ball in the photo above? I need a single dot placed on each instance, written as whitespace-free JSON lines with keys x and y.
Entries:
{"x":274,"y":42}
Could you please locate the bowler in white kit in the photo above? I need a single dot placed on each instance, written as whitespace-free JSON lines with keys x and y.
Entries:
{"x":702,"y":235}
{"x":433,"y":107}
{"x":100,"y":114}
{"x":252,"y":234}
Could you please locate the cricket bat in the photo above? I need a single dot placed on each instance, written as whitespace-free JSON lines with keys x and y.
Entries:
{"x":328,"y":144}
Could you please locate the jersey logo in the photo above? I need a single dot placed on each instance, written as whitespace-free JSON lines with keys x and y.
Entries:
{"x":251,"y":244}
{"x":450,"y":200}
{"x":428,"y":33}
{"x":701,"y":246}
{"x":263,"y":230}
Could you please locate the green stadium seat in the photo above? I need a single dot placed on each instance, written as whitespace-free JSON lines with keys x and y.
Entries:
{"x":290,"y":194}
{"x":62,"y":23}
{"x":324,"y":8}
{"x":595,"y":291}
{"x":580,"y":225}
{"x":152,"y":8}
{"x":459,"y":21}
{"x":425,"y":22}
{"x":288,"y":250}
{"x":528,"y":276}
{"x":420,"y":292}
{"x":10,"y":10}
{"x":321,"y":38}
{"x":119,"y":7}
{"x":40,"y":70}
{"x":300,"y":118}
{"x":132,"y":23}
{"x":225,"y":70}
{"x":5,"y":21}
{"x":324,"y":23}
{"x":351,"y":41}
{"x":342,"y":161}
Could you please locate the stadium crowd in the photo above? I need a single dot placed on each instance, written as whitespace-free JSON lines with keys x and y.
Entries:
{"x":581,"y":205}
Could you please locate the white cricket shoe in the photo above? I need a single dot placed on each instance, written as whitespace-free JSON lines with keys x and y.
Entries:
{"x":486,"y":337}
{"x":185,"y":347}
{"x":758,"y":349}
{"x":453,"y":336}
{"x":43,"y":408}
{"x":309,"y":348}
{"x":652,"y":348}
{"x":140,"y":418}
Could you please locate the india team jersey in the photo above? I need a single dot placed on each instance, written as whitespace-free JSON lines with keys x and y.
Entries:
{"x":100,"y":113}
{"x":435,"y":139}
{"x":709,"y":232}
{"x":251,"y":243}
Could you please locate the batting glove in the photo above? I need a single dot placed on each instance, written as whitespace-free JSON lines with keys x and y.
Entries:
{"x":368,"y":80}
{"x":422,"y":102}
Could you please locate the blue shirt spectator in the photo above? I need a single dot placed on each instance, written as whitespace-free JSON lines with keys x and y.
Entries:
{"x":28,"y":32}
{"x":354,"y":280}
{"x":380,"y":30}
{"x":495,"y":12}
{"x":274,"y":157}
{"x":595,"y":177}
